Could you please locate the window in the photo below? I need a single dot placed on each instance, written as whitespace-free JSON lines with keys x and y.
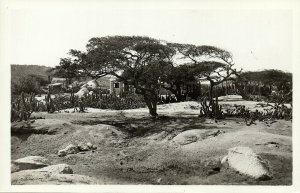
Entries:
{"x":117,"y":85}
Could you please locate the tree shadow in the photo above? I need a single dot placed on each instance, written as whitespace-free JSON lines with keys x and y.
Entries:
{"x":146,"y":126}
{"x":23,"y":137}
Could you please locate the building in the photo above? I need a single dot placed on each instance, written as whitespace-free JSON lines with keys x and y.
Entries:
{"x":118,"y":87}
{"x":57,"y":85}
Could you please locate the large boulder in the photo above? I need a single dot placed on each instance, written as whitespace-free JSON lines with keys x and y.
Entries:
{"x":70,"y":149}
{"x":57,"y":169}
{"x":245,"y":161}
{"x":30,"y":162}
{"x":82,"y":92}
{"x":41,"y":177}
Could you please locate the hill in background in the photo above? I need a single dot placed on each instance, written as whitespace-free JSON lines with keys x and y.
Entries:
{"x":20,"y":71}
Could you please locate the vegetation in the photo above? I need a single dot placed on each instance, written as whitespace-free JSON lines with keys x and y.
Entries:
{"x":150,"y":65}
{"x":22,"y":108}
{"x":272,"y":85}
{"x":28,"y":84}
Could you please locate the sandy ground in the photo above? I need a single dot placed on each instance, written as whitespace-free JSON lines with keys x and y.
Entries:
{"x":134,"y":148}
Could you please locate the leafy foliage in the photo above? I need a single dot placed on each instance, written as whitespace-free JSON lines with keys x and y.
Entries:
{"x":275,"y":85}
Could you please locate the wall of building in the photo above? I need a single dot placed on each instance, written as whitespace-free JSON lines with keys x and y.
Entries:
{"x":114,"y":89}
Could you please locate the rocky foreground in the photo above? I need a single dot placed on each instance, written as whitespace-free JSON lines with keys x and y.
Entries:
{"x":128,"y":147}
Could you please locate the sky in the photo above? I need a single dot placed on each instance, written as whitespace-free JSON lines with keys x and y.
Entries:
{"x":258,"y":39}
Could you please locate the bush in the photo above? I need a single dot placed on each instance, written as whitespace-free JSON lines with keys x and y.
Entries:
{"x":273,"y":112}
{"x":22,"y":107}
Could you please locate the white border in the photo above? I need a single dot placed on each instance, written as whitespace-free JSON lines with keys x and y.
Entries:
{"x":7,"y":6}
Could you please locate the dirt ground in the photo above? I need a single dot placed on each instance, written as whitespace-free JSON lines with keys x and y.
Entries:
{"x":134,"y":148}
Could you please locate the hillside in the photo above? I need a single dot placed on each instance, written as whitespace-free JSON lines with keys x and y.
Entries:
{"x":20,"y":71}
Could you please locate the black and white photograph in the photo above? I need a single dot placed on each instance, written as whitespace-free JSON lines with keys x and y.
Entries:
{"x":149,"y":93}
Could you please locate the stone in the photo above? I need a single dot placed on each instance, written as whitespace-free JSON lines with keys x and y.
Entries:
{"x":212,"y":166}
{"x":39,"y":126}
{"x":14,"y":168}
{"x":245,"y":161}
{"x":22,"y":127}
{"x":194,"y":135}
{"x":187,"y":137}
{"x":70,"y":149}
{"x":83,"y":147}
{"x":42,"y":177}
{"x":94,"y":147}
{"x":224,"y":160}
{"x":30,"y":162}
{"x":82,"y":92}
{"x":57,"y":169}
{"x":62,"y":153}
{"x":90,"y":145}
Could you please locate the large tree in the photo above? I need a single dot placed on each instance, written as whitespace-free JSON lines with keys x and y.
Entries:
{"x":148,"y":64}
{"x":210,"y":64}
{"x":135,"y":60}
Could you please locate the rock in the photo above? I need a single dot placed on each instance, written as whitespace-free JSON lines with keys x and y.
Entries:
{"x":134,"y":126}
{"x":82,"y":92}
{"x":14,"y":168}
{"x":57,"y":169}
{"x":62,"y":153}
{"x":245,"y":161}
{"x":22,"y":127}
{"x":158,"y":180}
{"x":94,"y":147}
{"x":39,"y":126}
{"x":42,"y":177}
{"x":70,"y":149}
{"x":187,"y":137}
{"x":30,"y":162}
{"x":83,"y":147}
{"x":212,"y":166}
{"x":90,"y":145}
{"x":224,"y":160}
{"x":194,"y":135}
{"x":49,"y":126}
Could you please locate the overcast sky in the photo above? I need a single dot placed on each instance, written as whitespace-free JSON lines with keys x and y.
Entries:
{"x":258,"y":39}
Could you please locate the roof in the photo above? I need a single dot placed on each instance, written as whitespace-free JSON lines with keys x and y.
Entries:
{"x":55,"y":84}
{"x":58,"y":80}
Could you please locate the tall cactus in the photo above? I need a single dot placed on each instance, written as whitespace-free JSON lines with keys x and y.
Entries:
{"x":49,"y":102}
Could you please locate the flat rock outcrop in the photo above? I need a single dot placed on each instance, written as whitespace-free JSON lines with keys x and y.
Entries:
{"x":42,"y":177}
{"x":194,"y":135}
{"x":57,"y":169}
{"x":39,"y":126}
{"x":30,"y":162}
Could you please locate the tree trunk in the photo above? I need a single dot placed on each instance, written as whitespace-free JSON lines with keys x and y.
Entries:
{"x":211,"y":94}
{"x":178,"y":95}
{"x":151,"y":103}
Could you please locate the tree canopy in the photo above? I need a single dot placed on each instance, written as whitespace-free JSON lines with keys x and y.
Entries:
{"x":150,"y":64}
